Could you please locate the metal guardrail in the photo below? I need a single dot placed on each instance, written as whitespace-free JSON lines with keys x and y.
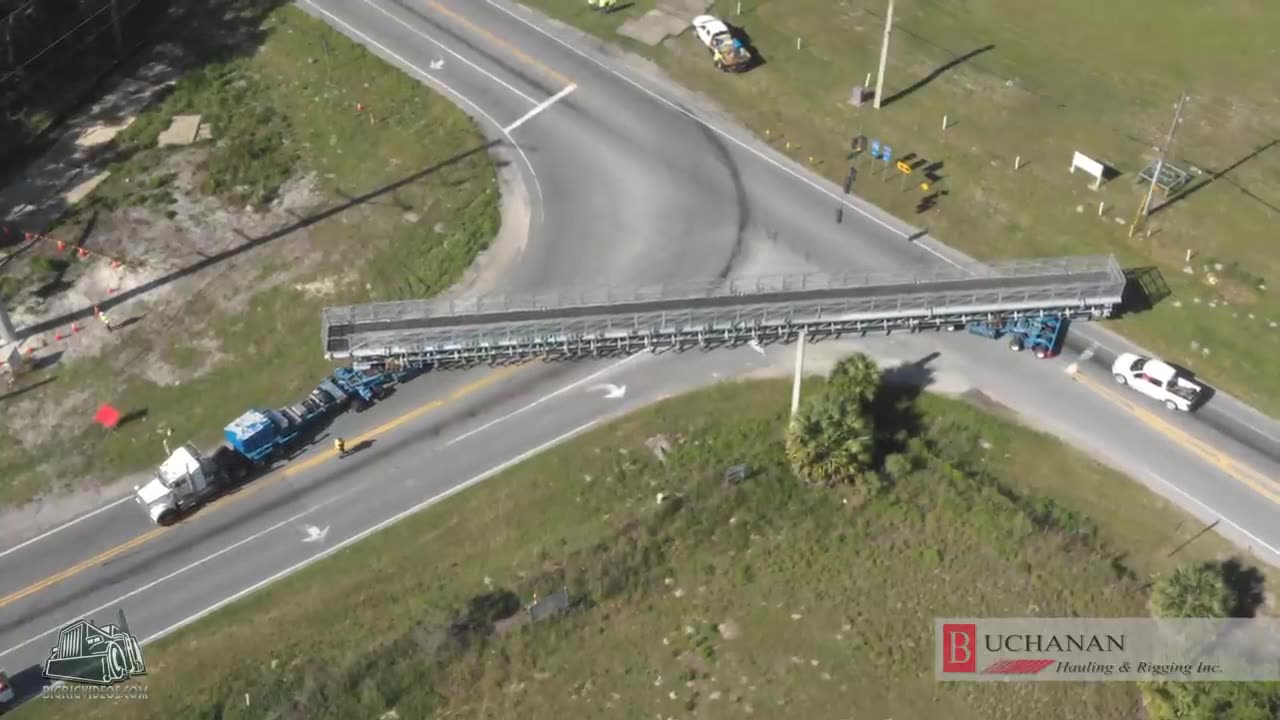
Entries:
{"x":763,"y":308}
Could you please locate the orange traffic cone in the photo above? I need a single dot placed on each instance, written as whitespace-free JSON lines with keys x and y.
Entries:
{"x":82,"y":253}
{"x":75,"y":328}
{"x":61,"y":246}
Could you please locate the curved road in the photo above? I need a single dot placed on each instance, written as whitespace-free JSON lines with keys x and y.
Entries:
{"x":631,"y":181}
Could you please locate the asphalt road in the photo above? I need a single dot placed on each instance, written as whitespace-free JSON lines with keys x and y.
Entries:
{"x":633,"y":182}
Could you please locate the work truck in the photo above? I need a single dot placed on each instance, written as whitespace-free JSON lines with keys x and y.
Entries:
{"x":256,"y":440}
{"x":1160,"y":380}
{"x":728,"y":52}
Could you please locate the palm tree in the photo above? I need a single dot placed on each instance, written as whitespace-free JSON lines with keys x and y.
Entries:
{"x":829,"y":442}
{"x":1192,"y":591}
{"x":855,"y":379}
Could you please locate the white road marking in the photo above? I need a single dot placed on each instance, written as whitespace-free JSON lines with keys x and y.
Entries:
{"x":443,"y":86}
{"x":192,"y":566}
{"x":612,"y":392}
{"x":447,"y":49}
{"x":315,"y":534}
{"x":66,"y":525}
{"x":437,"y":64}
{"x":841,"y":200}
{"x":544,"y":398}
{"x":366,"y":533}
{"x":539,"y":108}
{"x":1220,"y":516}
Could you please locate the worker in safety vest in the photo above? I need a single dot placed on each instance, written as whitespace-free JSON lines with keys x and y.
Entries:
{"x":340,"y":446}
{"x":103,"y":317}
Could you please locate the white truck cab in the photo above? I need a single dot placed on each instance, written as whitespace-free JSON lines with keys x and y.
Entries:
{"x":1157,"y":379}
{"x":180,"y":482}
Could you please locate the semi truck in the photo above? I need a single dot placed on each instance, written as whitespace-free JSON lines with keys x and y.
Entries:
{"x":256,"y":440}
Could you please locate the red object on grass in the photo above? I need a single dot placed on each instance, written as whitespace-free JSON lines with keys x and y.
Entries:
{"x":107,"y":416}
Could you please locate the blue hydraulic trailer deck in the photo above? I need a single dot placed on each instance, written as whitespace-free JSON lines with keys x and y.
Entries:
{"x":1043,"y":335}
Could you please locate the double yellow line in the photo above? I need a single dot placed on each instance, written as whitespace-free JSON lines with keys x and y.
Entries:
{"x":488,"y":35}
{"x":262,"y":484}
{"x":1257,"y":481}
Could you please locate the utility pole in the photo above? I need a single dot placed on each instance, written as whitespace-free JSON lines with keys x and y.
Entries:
{"x":795,"y":387}
{"x":884,"y":54}
{"x":115,"y":27}
{"x":1145,"y":210}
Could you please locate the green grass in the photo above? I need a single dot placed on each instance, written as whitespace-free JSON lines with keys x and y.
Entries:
{"x":1069,"y":76}
{"x":833,"y":602}
{"x":288,"y":109}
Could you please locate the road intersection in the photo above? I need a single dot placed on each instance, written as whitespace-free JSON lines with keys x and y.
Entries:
{"x":633,"y":181}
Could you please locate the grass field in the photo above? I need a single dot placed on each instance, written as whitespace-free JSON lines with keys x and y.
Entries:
{"x":248,"y":336}
{"x":732,"y":601}
{"x":1069,"y":76}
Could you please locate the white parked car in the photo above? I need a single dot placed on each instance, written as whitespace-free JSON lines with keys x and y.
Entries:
{"x":1159,"y":380}
{"x":6,"y":690}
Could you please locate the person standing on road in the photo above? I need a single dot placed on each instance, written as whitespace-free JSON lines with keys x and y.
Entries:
{"x":340,"y":446}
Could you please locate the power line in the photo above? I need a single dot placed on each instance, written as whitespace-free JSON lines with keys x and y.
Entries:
{"x":15,"y":12}
{"x":37,"y":56}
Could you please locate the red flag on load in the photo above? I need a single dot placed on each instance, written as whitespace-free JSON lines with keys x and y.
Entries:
{"x":107,"y":416}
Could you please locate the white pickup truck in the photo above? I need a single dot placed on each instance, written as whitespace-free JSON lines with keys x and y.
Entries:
{"x":6,"y":690}
{"x":1159,"y":380}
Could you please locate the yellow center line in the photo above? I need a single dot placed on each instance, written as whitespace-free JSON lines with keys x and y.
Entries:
{"x":497,"y":41}
{"x":262,"y":483}
{"x":1259,"y":482}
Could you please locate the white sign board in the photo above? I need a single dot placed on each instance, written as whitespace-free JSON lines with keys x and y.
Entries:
{"x":1090,"y":166}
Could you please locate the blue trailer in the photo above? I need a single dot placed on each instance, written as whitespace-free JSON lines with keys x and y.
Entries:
{"x":1043,"y":335}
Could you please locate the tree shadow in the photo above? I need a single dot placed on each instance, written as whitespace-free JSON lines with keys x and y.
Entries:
{"x":897,"y":418}
{"x":250,"y":244}
{"x":61,"y":85}
{"x":938,"y":72}
{"x":1247,"y":585}
{"x":1144,"y":288}
{"x":1205,"y":182}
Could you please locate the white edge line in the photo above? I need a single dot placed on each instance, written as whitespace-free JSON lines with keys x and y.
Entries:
{"x":1219,"y":515}
{"x":447,"y":49}
{"x":184,"y":569}
{"x":440,"y":84}
{"x":66,"y":525}
{"x":366,"y":533}
{"x":722,"y":133}
{"x":539,"y":108}
{"x":545,"y":398}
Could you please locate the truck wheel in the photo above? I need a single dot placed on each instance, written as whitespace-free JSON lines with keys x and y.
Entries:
{"x":1016,"y":345}
{"x":1041,"y":354}
{"x":117,"y":664}
{"x":1120,"y":379}
{"x":167,"y":517}
{"x":1171,"y":404}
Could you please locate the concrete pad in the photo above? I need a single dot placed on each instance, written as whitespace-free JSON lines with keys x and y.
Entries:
{"x":182,"y":131}
{"x":205,"y":133}
{"x":78,"y":193}
{"x":103,"y":133}
{"x":653,"y":27}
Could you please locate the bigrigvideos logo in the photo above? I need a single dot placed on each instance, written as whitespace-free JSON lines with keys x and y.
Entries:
{"x":92,"y":655}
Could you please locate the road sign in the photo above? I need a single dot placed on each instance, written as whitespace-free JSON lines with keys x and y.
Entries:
{"x":875,"y":148}
{"x":888,"y":153}
{"x":904,"y":168}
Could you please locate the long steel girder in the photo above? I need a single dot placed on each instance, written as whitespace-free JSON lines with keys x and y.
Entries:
{"x":763,"y":309}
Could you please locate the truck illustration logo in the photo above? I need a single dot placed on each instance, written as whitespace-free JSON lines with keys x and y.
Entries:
{"x":86,"y":653}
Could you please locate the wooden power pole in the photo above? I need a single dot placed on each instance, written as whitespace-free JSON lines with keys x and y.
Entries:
{"x":1145,"y":210}
{"x":884,"y":54}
